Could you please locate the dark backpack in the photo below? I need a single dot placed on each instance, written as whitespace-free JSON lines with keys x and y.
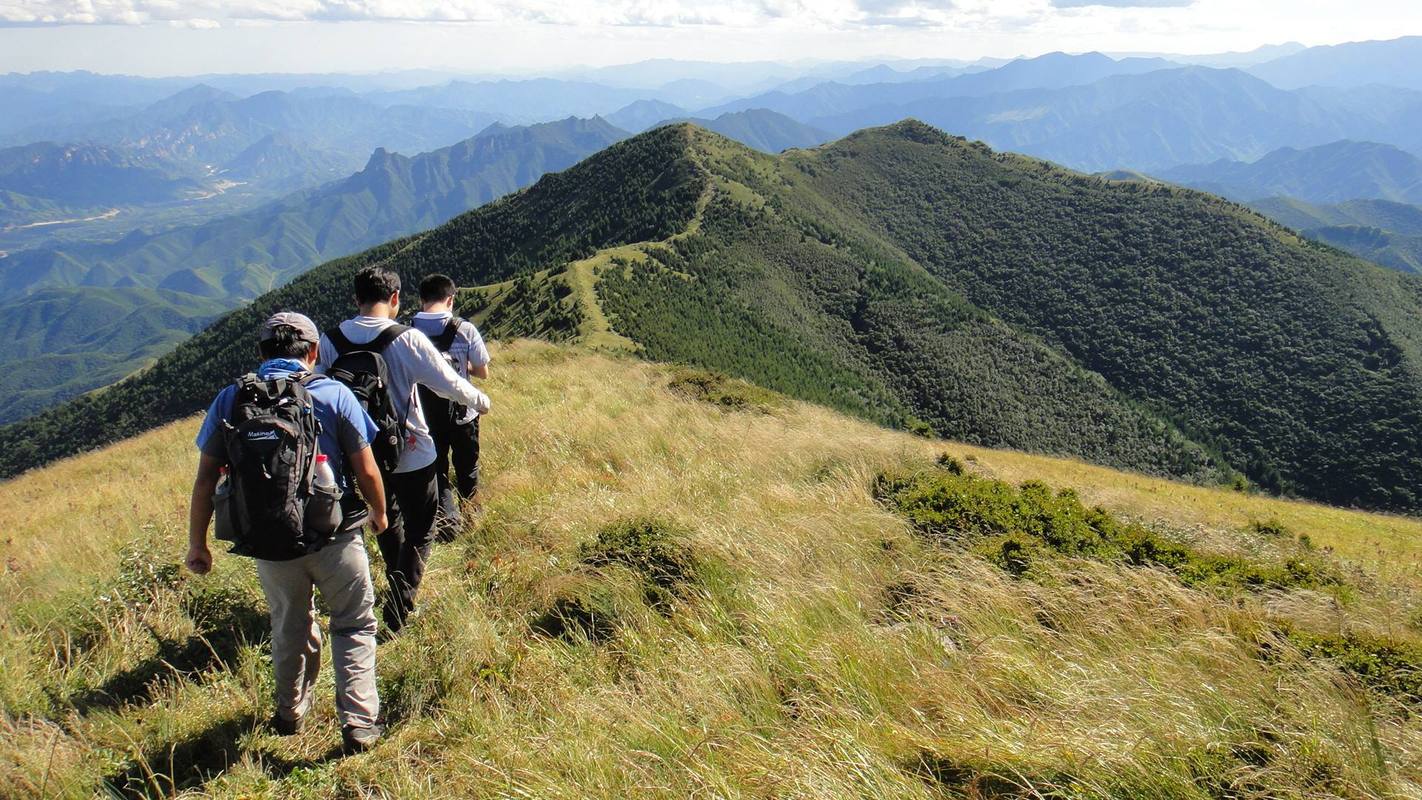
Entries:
{"x":362,"y":368}
{"x":268,"y":505}
{"x":443,"y":342}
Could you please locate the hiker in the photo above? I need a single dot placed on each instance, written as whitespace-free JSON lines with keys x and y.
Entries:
{"x":453,"y":426}
{"x":383,"y":362}
{"x":276,"y":450}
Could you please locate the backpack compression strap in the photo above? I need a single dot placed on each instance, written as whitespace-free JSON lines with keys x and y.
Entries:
{"x":445,"y":340}
{"x":344,"y":345}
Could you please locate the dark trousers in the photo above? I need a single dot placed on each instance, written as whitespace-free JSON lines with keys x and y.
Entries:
{"x":411,"y":499}
{"x":453,"y":442}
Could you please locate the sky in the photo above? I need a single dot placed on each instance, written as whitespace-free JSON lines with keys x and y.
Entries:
{"x":185,"y":37}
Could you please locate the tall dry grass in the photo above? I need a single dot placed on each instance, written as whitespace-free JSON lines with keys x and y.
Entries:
{"x":816,"y":648}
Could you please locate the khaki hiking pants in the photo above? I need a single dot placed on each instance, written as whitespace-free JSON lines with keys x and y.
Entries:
{"x":340,"y":571}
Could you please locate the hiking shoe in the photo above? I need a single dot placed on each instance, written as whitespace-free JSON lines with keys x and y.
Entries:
{"x":359,"y":740}
{"x":287,"y":727}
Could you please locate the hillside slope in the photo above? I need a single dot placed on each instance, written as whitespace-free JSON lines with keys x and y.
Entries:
{"x":921,"y":281}
{"x":666,"y":594}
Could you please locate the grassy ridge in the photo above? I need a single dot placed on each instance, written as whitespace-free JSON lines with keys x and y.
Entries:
{"x":670,"y":593}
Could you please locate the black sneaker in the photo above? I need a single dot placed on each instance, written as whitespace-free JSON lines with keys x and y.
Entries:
{"x":359,"y":740}
{"x":287,"y":727}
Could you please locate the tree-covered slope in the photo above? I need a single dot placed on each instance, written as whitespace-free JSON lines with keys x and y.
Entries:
{"x":1302,"y":366}
{"x":923,"y":281}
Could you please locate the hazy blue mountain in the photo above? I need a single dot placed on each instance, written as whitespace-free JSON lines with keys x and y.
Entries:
{"x":1048,"y":71}
{"x":640,"y":115}
{"x":1154,"y":120}
{"x":532,"y":100}
{"x":1245,"y":58}
{"x":205,"y":126}
{"x":762,"y":129}
{"x":91,"y":175}
{"x":1330,"y":173}
{"x":278,"y":161}
{"x":1396,"y":62}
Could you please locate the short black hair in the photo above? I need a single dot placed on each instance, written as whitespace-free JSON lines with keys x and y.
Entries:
{"x":436,"y":287}
{"x":285,"y":342}
{"x":375,"y":284}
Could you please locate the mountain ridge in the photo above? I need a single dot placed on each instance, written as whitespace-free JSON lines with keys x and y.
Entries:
{"x":831,"y":274}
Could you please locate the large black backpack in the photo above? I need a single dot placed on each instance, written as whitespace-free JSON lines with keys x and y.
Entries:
{"x":362,"y":367}
{"x":268,"y":506}
{"x":443,"y":342}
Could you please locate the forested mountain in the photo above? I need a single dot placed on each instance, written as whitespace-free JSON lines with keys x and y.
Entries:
{"x":1383,"y":232}
{"x":1330,"y":173}
{"x":60,"y":343}
{"x":213,"y":266}
{"x":764,"y":130}
{"x":919,"y":280}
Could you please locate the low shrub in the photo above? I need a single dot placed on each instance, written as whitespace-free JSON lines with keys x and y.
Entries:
{"x":1016,"y":526}
{"x":724,"y":391}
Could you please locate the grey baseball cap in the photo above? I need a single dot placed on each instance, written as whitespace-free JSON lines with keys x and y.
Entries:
{"x":305,"y":328}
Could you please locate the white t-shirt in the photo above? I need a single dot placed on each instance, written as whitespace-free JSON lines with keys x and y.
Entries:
{"x":412,"y":360}
{"x":466,"y":350}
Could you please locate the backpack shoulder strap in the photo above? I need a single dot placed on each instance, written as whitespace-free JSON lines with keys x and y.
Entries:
{"x":385,"y":337}
{"x":446,"y":337}
{"x":342,"y":343}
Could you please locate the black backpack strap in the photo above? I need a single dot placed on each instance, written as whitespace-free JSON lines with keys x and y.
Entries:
{"x":381,"y":341}
{"x":446,"y":337}
{"x":342,"y":344}
{"x":385,"y":337}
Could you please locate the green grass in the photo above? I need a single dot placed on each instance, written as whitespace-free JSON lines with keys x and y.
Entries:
{"x":740,"y":617}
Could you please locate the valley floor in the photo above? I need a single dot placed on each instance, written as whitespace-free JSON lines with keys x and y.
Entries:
{"x":681,"y":592}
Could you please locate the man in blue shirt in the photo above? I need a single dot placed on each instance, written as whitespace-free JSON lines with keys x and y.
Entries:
{"x":339,"y":570}
{"x":454,"y":427}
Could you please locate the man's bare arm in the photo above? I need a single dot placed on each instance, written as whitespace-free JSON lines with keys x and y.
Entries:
{"x":372,"y":488}
{"x":209,"y":471}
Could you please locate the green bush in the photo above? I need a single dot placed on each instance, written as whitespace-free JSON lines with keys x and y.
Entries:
{"x":1015,"y":526}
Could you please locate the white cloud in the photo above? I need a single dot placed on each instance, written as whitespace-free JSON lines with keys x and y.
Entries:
{"x":828,"y":13}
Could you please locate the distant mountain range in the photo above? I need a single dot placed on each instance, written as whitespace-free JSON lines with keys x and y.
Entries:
{"x":764,"y":130}
{"x":91,"y":175}
{"x":1330,"y":173}
{"x":1396,"y":62}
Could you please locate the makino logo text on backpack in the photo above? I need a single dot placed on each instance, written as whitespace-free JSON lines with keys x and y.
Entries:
{"x":270,"y":506}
